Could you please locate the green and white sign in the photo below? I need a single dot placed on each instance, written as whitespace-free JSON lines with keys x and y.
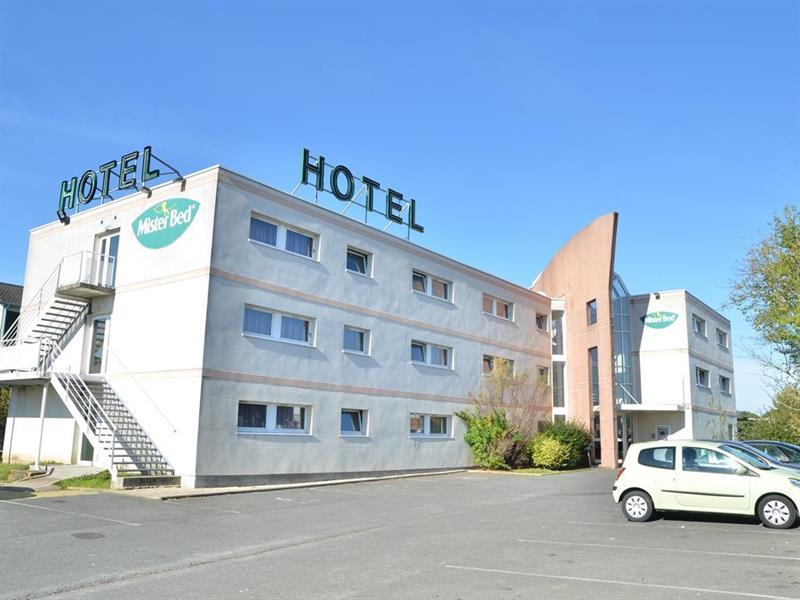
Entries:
{"x":660,"y":319}
{"x":164,"y":222}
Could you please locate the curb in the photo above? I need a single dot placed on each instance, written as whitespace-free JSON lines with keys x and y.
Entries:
{"x":291,"y":486}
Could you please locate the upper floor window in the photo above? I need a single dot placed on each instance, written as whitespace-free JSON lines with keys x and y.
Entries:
{"x":544,"y":375}
{"x":270,"y":324}
{"x":541,"y":322}
{"x":591,"y":312}
{"x":498,"y":308}
{"x":431,"y":354}
{"x":358,"y":261}
{"x":594,"y":376}
{"x":356,"y":340}
{"x":431,"y":286}
{"x":490,"y":363}
{"x":724,"y":384}
{"x":281,"y":236}
{"x":701,"y":377}
{"x":722,"y":338}
{"x":699,"y":325}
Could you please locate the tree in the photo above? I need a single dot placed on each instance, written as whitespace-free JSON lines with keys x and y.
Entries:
{"x":5,"y":394}
{"x":506,"y":415}
{"x":767,"y":292}
{"x":781,"y":422}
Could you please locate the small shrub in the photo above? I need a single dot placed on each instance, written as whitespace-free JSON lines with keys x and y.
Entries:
{"x":572,"y":435}
{"x":485,"y":436}
{"x":551,"y":453}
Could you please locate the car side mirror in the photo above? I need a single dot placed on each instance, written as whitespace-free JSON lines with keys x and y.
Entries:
{"x":742,"y":470}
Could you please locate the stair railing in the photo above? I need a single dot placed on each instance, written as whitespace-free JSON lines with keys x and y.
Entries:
{"x":30,"y":313}
{"x":84,"y":400}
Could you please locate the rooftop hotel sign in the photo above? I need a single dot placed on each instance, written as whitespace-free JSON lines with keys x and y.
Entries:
{"x":339,"y":181}
{"x":134,"y":171}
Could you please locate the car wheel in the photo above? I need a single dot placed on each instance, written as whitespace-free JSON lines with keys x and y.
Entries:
{"x":637,"y":506}
{"x":777,"y":512}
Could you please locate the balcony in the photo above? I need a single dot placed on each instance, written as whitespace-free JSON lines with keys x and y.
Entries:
{"x":87,"y":275}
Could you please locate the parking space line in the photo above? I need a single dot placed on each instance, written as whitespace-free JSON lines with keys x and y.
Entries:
{"x":679,"y":550}
{"x":225,"y":510}
{"x":623,"y":583}
{"x":687,"y":527}
{"x":69,"y":512}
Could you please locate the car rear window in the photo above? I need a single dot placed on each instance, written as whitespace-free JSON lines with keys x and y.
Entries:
{"x":660,"y":458}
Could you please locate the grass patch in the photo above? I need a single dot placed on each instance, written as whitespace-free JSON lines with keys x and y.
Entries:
{"x":98,"y":481}
{"x":541,"y":471}
{"x":5,"y":470}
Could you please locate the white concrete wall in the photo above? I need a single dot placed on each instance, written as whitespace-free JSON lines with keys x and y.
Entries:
{"x":386,"y":383}
{"x":645,"y":423}
{"x":60,"y":442}
{"x":156,"y":316}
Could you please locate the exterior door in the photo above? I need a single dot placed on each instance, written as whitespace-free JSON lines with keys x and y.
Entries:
{"x":708,"y":479}
{"x":108,"y":252}
{"x":98,"y":345}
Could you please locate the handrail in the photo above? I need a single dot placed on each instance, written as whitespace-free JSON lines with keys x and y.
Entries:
{"x":631,"y":396}
{"x":139,"y":385}
{"x":85,"y":400}
{"x":32,"y":310}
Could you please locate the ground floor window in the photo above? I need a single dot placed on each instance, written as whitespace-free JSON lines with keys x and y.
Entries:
{"x":273,"y":418}
{"x":353,"y":422}
{"x":421,"y":425}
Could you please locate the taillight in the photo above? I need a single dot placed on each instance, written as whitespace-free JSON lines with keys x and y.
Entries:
{"x":619,"y":473}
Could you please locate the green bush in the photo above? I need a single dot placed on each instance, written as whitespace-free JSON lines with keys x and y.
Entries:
{"x":486,"y":435}
{"x":574,"y":436}
{"x":551,"y":453}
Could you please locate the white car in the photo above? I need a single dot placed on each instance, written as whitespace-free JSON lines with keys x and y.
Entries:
{"x":705,"y":477}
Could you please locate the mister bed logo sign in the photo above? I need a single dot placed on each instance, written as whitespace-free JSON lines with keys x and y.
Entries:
{"x":660,"y":319}
{"x":164,"y":222}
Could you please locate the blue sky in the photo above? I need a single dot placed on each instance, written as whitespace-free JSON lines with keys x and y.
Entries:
{"x":513,"y":125}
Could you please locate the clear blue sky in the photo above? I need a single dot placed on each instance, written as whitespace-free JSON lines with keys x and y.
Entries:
{"x":513,"y":125}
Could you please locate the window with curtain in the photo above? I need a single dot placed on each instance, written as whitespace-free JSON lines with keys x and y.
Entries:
{"x":263,"y":231}
{"x":252,"y":416}
{"x":293,"y":328}
{"x":355,"y":340}
{"x":299,"y":243}
{"x":257,"y":321}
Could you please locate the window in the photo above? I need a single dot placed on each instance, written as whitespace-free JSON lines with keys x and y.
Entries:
{"x":353,"y":422}
{"x":492,"y":362}
{"x":557,"y":323}
{"x":703,"y":460}
{"x":356,"y":340}
{"x":431,"y":354}
{"x":699,"y":325}
{"x":591,"y":312}
{"x":280,"y":236}
{"x":722,"y":338}
{"x":559,"y":418}
{"x":429,"y":425}
{"x":272,"y":418}
{"x":541,"y":322}
{"x":724,"y":384}
{"x":292,"y":328}
{"x":263,"y":231}
{"x":558,"y":384}
{"x":357,"y":261}
{"x":431,"y":286}
{"x":594,"y":376}
{"x":660,"y":458}
{"x":701,"y":377}
{"x":544,"y":375}
{"x":498,"y":308}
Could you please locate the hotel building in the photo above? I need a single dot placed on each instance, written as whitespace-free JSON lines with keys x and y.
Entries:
{"x":224,"y":332}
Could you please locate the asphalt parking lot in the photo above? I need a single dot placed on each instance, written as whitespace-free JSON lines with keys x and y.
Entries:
{"x":459,"y":536}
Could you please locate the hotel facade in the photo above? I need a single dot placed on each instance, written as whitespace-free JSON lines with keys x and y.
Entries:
{"x":224,"y":332}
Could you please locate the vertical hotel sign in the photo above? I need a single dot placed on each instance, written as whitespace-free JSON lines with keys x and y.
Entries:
{"x":342,"y":184}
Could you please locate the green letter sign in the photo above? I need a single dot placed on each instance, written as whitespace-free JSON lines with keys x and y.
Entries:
{"x":164,"y":222}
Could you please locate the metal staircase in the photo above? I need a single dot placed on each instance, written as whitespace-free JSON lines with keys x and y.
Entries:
{"x":31,"y":348}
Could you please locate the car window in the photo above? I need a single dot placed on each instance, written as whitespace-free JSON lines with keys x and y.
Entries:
{"x":791,"y":453}
{"x":747,"y":455}
{"x":773,"y":451}
{"x":703,"y":460}
{"x":660,"y":458}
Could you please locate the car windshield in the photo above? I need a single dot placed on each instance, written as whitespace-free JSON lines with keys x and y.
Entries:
{"x":751,"y":457}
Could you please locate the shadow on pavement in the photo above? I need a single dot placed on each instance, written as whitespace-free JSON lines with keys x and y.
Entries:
{"x":12,"y":492}
{"x":707,"y":518}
